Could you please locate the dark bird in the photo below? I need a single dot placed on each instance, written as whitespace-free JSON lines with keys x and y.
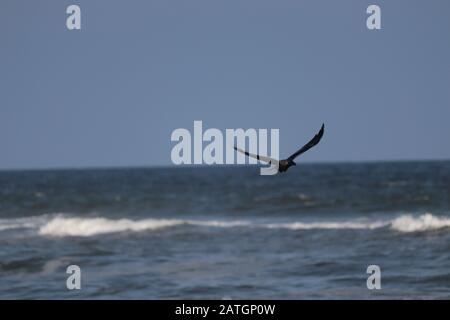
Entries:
{"x":285,"y":164}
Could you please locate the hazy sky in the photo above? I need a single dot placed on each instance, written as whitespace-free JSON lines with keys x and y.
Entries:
{"x":112,"y":93}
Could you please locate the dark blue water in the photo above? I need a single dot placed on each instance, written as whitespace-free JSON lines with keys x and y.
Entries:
{"x":227,"y":232}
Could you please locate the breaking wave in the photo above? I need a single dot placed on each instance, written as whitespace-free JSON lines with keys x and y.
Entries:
{"x":94,"y":226}
{"x":61,"y":226}
{"x":409,"y":223}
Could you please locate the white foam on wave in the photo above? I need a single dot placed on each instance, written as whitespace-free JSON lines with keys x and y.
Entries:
{"x":93,"y":226}
{"x":328,"y":225}
{"x":22,"y":223}
{"x":408,"y":223}
{"x":10,"y":226}
{"x":61,"y":225}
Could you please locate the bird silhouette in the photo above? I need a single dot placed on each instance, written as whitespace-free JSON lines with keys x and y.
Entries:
{"x":285,"y":164}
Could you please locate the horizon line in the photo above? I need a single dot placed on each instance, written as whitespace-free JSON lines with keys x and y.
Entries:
{"x":173,"y":166}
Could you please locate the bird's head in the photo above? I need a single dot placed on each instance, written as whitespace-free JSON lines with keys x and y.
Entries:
{"x":293,"y":163}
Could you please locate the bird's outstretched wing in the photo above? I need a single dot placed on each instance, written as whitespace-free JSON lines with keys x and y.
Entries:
{"x":315,"y":140}
{"x":257,"y":156}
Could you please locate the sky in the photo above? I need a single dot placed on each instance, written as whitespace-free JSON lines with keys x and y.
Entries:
{"x":111,"y":93}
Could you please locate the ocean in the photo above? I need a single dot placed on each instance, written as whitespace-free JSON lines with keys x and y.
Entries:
{"x":227,"y":232}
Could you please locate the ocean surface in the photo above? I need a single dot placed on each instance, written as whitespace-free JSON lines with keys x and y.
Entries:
{"x":227,"y":232}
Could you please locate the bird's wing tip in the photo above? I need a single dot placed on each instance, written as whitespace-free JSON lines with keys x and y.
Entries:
{"x":322,"y":129}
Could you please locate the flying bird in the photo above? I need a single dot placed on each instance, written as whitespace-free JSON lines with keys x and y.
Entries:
{"x":284,"y":165}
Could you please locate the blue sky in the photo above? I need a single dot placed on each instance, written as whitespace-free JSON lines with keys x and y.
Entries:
{"x":112,"y":93}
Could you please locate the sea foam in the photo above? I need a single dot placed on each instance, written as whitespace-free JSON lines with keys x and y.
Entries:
{"x":409,"y":223}
{"x":93,"y":226}
{"x":62,"y":225}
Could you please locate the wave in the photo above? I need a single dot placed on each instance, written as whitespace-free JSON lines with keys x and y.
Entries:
{"x":61,"y":226}
{"x":93,"y":226}
{"x":327,"y":225}
{"x":23,"y":223}
{"x":409,"y":223}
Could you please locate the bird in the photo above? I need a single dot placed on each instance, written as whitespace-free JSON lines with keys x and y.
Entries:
{"x":285,"y":164}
